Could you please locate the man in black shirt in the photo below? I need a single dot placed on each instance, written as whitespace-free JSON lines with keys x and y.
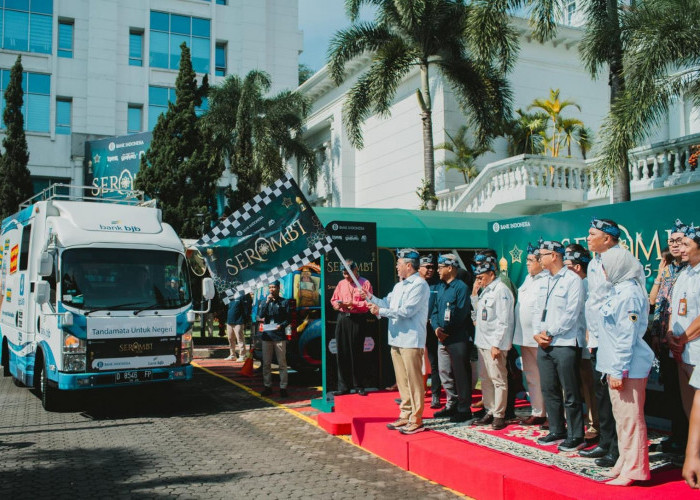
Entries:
{"x":274,"y":316}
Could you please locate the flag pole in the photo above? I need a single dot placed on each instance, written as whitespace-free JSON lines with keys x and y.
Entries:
{"x":347,"y":268}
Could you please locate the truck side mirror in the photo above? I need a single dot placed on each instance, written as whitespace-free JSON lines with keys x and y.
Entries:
{"x":208,"y":288}
{"x":45,"y":264}
{"x":41,"y":292}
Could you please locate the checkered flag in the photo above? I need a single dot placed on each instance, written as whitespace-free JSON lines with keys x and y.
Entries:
{"x":270,"y":236}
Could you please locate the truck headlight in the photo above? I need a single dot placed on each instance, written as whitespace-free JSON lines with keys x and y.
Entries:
{"x":74,"y":350}
{"x":186,"y":351}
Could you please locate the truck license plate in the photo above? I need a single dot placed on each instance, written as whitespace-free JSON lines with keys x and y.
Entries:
{"x":132,"y":376}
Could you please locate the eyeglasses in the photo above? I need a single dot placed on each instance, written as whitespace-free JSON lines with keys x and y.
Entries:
{"x":542,"y":254}
{"x":675,"y":241}
{"x":441,"y":266}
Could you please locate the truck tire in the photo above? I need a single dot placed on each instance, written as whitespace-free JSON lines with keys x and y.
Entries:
{"x":5,"y":360}
{"x":50,"y":396}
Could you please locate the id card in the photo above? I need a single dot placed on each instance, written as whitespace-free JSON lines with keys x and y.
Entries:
{"x":682,"y":307}
{"x":484,"y":315}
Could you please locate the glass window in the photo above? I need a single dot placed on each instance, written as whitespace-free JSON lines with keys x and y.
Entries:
{"x":200,"y":55}
{"x":169,"y":31}
{"x":63,"y":115}
{"x":134,"y":118}
{"x":27,"y":26}
{"x":16,"y":31}
{"x":158,"y":98}
{"x":135,"y":48}
{"x":160,"y":21}
{"x":220,"y":57}
{"x":36,"y":107}
{"x":220,"y":2}
{"x":65,"y":38}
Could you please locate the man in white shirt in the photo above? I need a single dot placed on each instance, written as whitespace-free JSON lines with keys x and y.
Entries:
{"x":685,"y":307}
{"x":406,"y":307}
{"x":557,"y":324}
{"x":495,"y":321}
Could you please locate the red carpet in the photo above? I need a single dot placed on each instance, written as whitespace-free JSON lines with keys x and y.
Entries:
{"x":481,"y":472}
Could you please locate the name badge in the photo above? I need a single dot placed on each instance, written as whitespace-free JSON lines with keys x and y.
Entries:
{"x":484,"y":315}
{"x":682,"y":307}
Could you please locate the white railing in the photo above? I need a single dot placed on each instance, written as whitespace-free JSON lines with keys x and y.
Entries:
{"x":663,"y":164}
{"x":538,"y":179}
{"x":519,"y":178}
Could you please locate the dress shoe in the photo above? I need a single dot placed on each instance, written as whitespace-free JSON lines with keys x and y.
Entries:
{"x":596,"y":452}
{"x":266,"y":391}
{"x":283,"y":393}
{"x":606,"y":461}
{"x":485,"y":420}
{"x":573,"y":444}
{"x":435,"y":403}
{"x":461,"y":416}
{"x":360,"y":391}
{"x":498,"y":424}
{"x":533,"y":420}
{"x":447,"y":411}
{"x":551,"y":438}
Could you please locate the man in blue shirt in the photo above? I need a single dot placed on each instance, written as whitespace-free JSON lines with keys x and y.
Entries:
{"x":238,"y":310}
{"x":451,"y":320}
{"x":406,"y":307}
{"x":427,"y":272}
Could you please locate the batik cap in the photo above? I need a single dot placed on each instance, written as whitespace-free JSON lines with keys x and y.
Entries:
{"x":554,"y":246}
{"x":605,"y":226}
{"x":679,"y":227}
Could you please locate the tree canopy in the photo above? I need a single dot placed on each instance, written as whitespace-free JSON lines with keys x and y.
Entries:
{"x":15,"y":179}
{"x":179,"y":169}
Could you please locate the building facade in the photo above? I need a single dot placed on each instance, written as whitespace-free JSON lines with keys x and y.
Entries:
{"x":388,"y":170}
{"x":100,"y":68}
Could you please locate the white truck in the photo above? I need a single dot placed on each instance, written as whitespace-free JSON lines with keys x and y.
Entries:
{"x":93,"y":293}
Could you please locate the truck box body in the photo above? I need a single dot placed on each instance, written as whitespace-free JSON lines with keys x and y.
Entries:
{"x":119,"y":299}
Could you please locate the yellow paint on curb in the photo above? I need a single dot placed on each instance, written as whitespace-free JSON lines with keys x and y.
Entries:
{"x":313,"y":422}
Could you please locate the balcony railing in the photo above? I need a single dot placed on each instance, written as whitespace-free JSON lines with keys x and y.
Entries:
{"x":537,"y":179}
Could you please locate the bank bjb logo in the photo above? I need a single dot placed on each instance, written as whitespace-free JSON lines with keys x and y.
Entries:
{"x":496,"y":227}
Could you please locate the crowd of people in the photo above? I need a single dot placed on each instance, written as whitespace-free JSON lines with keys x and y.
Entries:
{"x":587,"y":332}
{"x":583,"y":322}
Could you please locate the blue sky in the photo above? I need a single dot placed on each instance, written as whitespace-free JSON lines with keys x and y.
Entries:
{"x":319,"y":20}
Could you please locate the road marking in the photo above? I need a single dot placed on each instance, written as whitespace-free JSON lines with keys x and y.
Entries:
{"x":313,"y":422}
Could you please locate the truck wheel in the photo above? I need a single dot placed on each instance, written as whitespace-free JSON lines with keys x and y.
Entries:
{"x":5,"y":360}
{"x":50,"y":397}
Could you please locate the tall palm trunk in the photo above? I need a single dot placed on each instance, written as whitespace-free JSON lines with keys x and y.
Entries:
{"x":621,"y":181}
{"x":428,"y":149}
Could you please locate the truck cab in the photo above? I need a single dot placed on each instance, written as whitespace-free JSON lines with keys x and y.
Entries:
{"x":93,"y":293}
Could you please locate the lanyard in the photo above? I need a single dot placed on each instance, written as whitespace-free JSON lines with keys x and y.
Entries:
{"x":549,"y":292}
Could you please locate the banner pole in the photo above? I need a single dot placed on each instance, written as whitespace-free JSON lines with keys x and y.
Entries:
{"x":347,"y":268}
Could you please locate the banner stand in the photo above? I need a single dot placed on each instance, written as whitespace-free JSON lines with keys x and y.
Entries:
{"x":325,"y":403}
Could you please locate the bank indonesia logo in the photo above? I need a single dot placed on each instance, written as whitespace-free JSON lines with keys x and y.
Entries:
{"x":335,"y":227}
{"x":496,"y":227}
{"x":111,"y":146}
{"x":100,"y":364}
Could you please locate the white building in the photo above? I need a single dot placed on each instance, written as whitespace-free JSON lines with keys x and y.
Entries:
{"x":387,"y":171}
{"x":100,"y":68}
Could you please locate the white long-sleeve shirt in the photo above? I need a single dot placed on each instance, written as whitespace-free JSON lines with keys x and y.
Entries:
{"x":407,"y":309}
{"x":495,"y":317}
{"x":527,"y":297}
{"x":563,"y":320}
{"x":687,"y":287}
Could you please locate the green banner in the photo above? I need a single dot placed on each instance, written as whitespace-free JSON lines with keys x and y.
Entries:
{"x":645,"y":226}
{"x":270,"y":236}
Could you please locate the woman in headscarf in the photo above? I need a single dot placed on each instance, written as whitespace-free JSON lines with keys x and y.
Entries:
{"x":626,"y":360}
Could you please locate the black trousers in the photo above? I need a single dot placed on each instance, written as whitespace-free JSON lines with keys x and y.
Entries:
{"x":515,"y":382}
{"x":608,"y":427}
{"x":559,"y":372}
{"x":672,"y":398}
{"x":431,"y":346}
{"x":350,"y":342}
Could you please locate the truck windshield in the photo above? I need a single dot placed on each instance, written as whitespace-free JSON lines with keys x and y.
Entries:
{"x":116,"y":279}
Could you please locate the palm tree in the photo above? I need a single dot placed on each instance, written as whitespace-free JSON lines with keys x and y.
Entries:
{"x":465,"y":155}
{"x":553,"y":108}
{"x":583,"y":136}
{"x":662,"y":51}
{"x":524,"y":133}
{"x":257,"y":135}
{"x":471,"y":43}
{"x":567,"y":127}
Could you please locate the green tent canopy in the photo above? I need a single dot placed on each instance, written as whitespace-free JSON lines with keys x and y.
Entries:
{"x":398,"y":228}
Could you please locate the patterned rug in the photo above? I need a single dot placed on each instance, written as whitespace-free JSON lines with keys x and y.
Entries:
{"x":521,"y":441}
